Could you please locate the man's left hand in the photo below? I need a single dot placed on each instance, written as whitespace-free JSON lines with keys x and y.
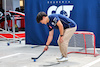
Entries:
{"x":61,"y":39}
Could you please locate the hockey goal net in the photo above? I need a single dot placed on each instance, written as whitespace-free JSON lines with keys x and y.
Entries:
{"x":83,"y":42}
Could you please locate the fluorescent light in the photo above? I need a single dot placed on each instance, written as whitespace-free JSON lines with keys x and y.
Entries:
{"x":21,"y":3}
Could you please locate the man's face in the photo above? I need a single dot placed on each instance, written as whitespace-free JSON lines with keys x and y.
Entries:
{"x":43,"y":21}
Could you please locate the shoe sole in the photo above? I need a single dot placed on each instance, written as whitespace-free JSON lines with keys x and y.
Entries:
{"x":57,"y":59}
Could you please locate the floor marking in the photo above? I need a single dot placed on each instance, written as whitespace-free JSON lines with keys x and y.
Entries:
{"x":91,"y":63}
{"x":10,"y":55}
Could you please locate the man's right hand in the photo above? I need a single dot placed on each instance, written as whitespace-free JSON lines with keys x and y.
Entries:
{"x":45,"y":48}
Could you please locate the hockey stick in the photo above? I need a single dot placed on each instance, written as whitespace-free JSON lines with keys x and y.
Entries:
{"x":37,"y":57}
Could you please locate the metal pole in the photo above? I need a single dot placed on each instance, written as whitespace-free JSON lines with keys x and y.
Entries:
{"x":13,"y":28}
{"x":5,"y":16}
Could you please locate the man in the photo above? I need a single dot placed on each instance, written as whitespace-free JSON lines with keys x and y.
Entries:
{"x":66,"y":26}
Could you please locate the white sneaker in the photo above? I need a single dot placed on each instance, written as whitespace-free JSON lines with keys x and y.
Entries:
{"x":58,"y":58}
{"x":63,"y":59}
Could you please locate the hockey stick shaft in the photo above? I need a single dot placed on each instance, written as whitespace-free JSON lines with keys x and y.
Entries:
{"x":40,"y":54}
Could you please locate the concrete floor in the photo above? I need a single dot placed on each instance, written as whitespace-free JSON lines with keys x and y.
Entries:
{"x":19,"y":55}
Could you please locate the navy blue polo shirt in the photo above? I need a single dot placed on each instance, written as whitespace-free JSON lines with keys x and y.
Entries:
{"x":54,"y":18}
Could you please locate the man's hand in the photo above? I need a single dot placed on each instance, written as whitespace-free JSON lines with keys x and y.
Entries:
{"x":45,"y":48}
{"x":61,"y":39}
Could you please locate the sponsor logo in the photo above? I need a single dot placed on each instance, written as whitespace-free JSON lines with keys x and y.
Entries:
{"x":62,"y":9}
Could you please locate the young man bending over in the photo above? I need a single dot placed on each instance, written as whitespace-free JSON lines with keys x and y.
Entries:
{"x":66,"y":26}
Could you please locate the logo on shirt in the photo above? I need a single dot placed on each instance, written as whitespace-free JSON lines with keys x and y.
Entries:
{"x":54,"y":21}
{"x":50,"y":27}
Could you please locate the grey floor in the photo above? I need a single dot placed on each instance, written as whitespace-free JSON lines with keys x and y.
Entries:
{"x":19,"y":55}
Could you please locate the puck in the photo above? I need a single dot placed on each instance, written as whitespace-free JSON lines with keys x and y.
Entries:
{"x":34,"y":60}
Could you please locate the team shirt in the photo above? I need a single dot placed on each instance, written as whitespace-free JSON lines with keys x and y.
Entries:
{"x":54,"y":18}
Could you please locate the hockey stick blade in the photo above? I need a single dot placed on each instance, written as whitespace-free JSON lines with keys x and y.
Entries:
{"x":38,"y":56}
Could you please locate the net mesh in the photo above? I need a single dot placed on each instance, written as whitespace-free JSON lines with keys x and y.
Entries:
{"x":83,"y":42}
{"x":78,"y":41}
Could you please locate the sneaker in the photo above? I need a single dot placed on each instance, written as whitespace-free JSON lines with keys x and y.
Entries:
{"x":58,"y":58}
{"x":63,"y":59}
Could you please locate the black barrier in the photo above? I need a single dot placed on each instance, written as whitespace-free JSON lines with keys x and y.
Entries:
{"x":1,"y":15}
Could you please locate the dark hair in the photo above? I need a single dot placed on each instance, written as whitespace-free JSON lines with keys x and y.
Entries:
{"x":40,"y":16}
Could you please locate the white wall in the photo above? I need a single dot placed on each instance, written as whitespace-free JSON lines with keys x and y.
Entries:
{"x":11,"y":4}
{"x":16,"y":3}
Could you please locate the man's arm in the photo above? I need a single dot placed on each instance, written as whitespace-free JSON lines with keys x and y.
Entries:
{"x":61,"y":29}
{"x":50,"y":37}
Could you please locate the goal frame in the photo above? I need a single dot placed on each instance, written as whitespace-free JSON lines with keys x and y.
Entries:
{"x":86,"y":33}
